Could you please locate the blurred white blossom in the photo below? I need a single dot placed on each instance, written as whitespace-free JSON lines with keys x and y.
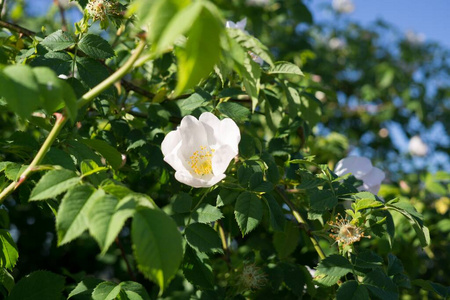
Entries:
{"x":362,"y":169}
{"x":417,"y":147}
{"x":343,"y":6}
{"x":337,"y":43}
{"x":201,"y":150}
{"x":414,"y":38}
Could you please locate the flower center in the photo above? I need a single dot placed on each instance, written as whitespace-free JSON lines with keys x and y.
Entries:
{"x":200,"y":161}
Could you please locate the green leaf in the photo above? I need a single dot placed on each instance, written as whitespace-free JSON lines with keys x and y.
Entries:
{"x":250,"y":43}
{"x":50,"y":87}
{"x":6,"y":279}
{"x":53,"y":183}
{"x":59,"y":40}
{"x":286,"y":242}
{"x":178,"y":25}
{"x":414,"y":218}
{"x":89,"y":167}
{"x":95,"y":46}
{"x":157,"y":245}
{"x":9,"y":253}
{"x":197,"y":270}
{"x":70,"y":100}
{"x":226,"y":197}
{"x":322,"y":200}
{"x":20,"y":89}
{"x":380,"y":285}
{"x":207,"y":214}
{"x":84,"y":288}
{"x":283,"y":67}
{"x":351,"y":290}
{"x":334,"y":265}
{"x":38,"y":285}
{"x":72,"y":218}
{"x":248,"y":212}
{"x":235,"y":111}
{"x":92,"y":72}
{"x":203,"y":238}
{"x":106,"y":150}
{"x":59,"y":62}
{"x":136,"y":288}
{"x":107,"y":217}
{"x":202,"y":51}
{"x":443,"y":291}
{"x":187,"y":106}
{"x":395,"y":265}
{"x":106,"y":291}
{"x":277,"y":218}
{"x":367,"y":260}
{"x":258,"y":184}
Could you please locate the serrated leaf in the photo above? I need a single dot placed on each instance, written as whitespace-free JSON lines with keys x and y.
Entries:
{"x":54,"y":183}
{"x":50,"y":88}
{"x":84,"y":288}
{"x":207,"y":214}
{"x":72,"y":218}
{"x":226,"y":197}
{"x":60,"y":62}
{"x":6,"y":279}
{"x":8,"y":248}
{"x":203,"y":238}
{"x":380,"y":285}
{"x":202,"y":51}
{"x":106,"y":150}
{"x":351,"y":290}
{"x":37,"y":286}
{"x":322,"y":200}
{"x":286,"y":242}
{"x":59,"y":40}
{"x":335,"y":265}
{"x":258,"y":184}
{"x":106,"y":291}
{"x":283,"y":67}
{"x":96,"y":47}
{"x":395,"y":265}
{"x":251,"y":43}
{"x":235,"y":111}
{"x":248,"y":212}
{"x":197,"y":270}
{"x":70,"y":100}
{"x":277,"y":218}
{"x":92,"y":72}
{"x":107,"y":217}
{"x":157,"y":245}
{"x":135,"y":288}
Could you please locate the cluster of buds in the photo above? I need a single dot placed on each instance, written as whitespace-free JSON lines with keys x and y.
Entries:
{"x":346,"y":233}
{"x":100,"y":9}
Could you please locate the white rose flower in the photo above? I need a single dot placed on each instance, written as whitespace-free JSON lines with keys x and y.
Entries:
{"x":201,"y":150}
{"x":417,"y":147}
{"x":337,"y":43}
{"x":343,"y":6}
{"x":362,"y":169}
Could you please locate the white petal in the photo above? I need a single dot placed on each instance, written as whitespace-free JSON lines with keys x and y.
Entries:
{"x":193,"y":135}
{"x":171,"y":140}
{"x":374,"y":177}
{"x":221,"y":159}
{"x":211,"y":124}
{"x":229,"y":134}
{"x":358,"y":166}
{"x":241,"y":24}
{"x":230,"y":24}
{"x":188,"y":179}
{"x":373,"y":189}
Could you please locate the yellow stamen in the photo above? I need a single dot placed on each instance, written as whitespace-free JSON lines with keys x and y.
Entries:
{"x":201,"y":161}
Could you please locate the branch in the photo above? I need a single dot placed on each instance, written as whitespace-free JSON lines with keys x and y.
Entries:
{"x":17,"y":28}
{"x":63,"y":17}
{"x":61,"y":119}
{"x":301,"y":221}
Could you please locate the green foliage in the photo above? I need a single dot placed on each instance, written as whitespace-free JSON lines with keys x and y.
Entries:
{"x":281,"y":224}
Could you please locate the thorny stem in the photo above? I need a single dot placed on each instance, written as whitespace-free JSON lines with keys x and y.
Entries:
{"x":61,"y":119}
{"x":305,"y":226}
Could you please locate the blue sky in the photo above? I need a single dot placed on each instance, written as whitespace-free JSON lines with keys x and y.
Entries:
{"x":431,"y":18}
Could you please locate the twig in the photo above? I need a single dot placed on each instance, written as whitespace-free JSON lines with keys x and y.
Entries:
{"x":305,"y":226}
{"x":124,"y":256}
{"x":17,"y":28}
{"x":61,"y":12}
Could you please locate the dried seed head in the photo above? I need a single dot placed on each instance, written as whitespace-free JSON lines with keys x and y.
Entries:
{"x":251,"y":278}
{"x":344,"y":232}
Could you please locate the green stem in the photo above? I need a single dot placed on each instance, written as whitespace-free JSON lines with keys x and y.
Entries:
{"x":61,"y":119}
{"x":116,"y":76}
{"x":305,"y":226}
